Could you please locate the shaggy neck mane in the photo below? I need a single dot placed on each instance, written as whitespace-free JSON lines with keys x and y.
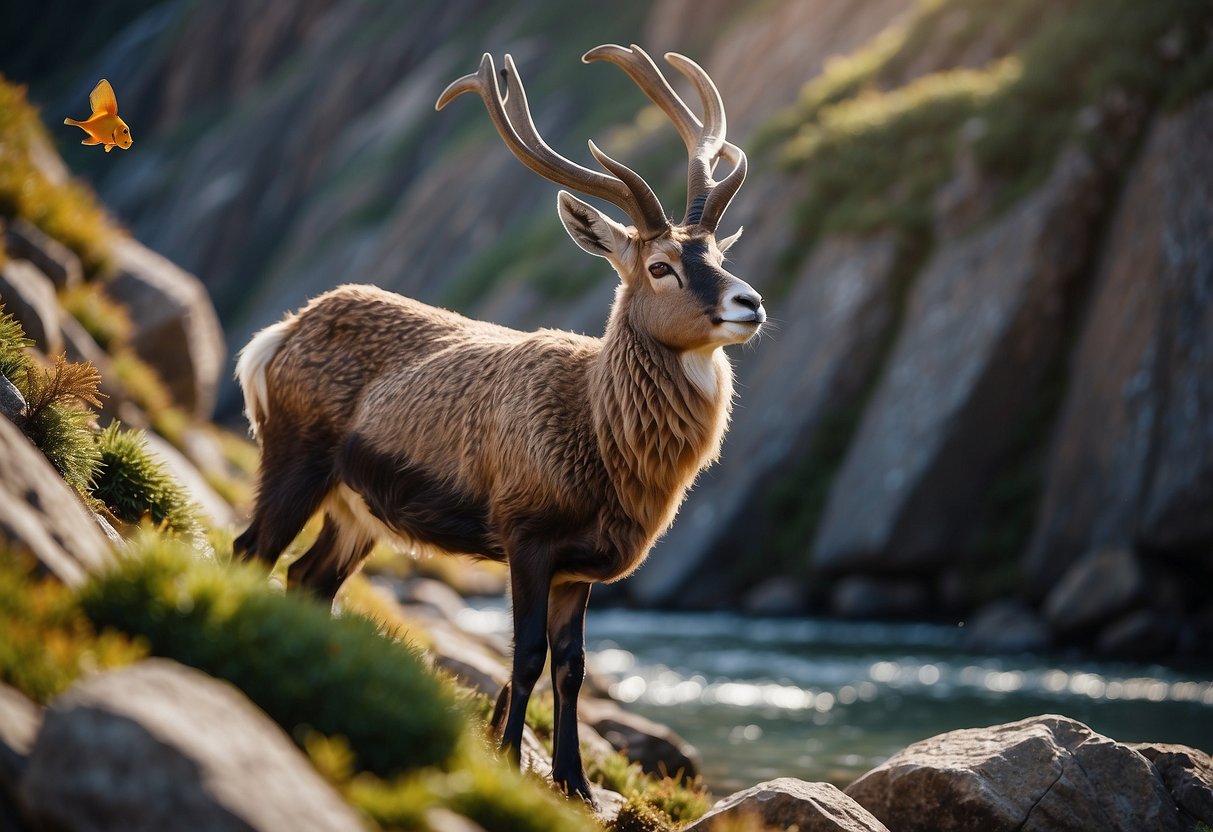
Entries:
{"x":656,"y":426}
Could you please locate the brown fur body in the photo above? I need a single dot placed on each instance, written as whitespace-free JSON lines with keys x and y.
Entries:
{"x":589,"y":441}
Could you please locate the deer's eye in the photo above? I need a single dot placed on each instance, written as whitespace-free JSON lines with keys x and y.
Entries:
{"x":660,"y":270}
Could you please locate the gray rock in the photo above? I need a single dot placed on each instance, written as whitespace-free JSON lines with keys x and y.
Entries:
{"x":788,"y":803}
{"x":780,"y":596}
{"x":866,"y":596}
{"x":40,"y":514}
{"x":1132,"y":458}
{"x":435,"y":595}
{"x":1188,"y":775}
{"x":168,"y":747}
{"x":25,"y":241}
{"x":470,"y":661}
{"x":29,"y":296}
{"x":214,"y":507}
{"x":1006,"y":627}
{"x":176,"y":329}
{"x":1043,"y":774}
{"x":12,"y":403}
{"x":815,"y":367}
{"x":19,"y":722}
{"x":115,"y":403}
{"x":983,"y":322}
{"x":1099,"y":587}
{"x":656,"y":747}
{"x":1142,"y":634}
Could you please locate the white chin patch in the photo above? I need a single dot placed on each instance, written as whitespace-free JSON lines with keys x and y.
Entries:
{"x":700,"y":367}
{"x":738,"y":331}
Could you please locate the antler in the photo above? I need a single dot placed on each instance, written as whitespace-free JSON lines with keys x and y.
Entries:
{"x":512,"y":118}
{"x":705,"y":141}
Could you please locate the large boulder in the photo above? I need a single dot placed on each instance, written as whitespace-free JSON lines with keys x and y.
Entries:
{"x":1132,"y":458}
{"x":176,"y":329}
{"x":29,"y":296}
{"x":815,"y":367}
{"x":656,"y":747}
{"x":41,"y":515}
{"x":25,"y":241}
{"x":1188,"y":775}
{"x":168,"y":747}
{"x":1043,"y":774}
{"x":214,"y":508}
{"x":788,"y":803}
{"x":984,"y":320}
{"x":12,"y":403}
{"x":19,"y":722}
{"x":1094,"y":590}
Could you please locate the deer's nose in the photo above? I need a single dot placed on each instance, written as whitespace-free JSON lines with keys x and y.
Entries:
{"x":744,"y":306}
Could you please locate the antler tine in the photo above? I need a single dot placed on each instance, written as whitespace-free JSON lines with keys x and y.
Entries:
{"x":511,"y":116}
{"x":644,"y":73}
{"x":705,"y":141}
{"x":722,"y":194}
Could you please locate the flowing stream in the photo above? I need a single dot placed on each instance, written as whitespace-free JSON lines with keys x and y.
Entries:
{"x":827,"y":700}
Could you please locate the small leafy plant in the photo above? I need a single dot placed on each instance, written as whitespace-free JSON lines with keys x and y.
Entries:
{"x":134,"y":486}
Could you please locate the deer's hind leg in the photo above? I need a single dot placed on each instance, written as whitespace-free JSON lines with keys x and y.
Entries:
{"x":340,"y":548}
{"x":293,"y":479}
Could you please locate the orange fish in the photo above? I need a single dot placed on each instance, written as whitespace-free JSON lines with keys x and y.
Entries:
{"x":104,"y":126}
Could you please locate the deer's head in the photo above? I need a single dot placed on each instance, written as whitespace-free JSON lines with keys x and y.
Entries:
{"x":675,"y":287}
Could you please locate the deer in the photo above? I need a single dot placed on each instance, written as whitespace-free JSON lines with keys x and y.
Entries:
{"x":564,"y":456}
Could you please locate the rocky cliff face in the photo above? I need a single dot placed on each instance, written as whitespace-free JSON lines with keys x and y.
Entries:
{"x":980,"y":233}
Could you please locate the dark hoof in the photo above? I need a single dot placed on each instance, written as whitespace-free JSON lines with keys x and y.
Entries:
{"x":576,"y":786}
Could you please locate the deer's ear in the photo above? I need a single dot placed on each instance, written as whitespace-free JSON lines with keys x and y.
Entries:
{"x":591,"y":229}
{"x":727,"y":242}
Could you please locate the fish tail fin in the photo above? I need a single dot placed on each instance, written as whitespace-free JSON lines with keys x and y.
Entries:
{"x":72,"y":122}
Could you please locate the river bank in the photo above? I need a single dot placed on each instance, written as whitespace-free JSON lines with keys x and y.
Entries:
{"x":826,"y":700}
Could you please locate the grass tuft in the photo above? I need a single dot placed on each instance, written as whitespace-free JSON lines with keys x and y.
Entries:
{"x":307,"y":670}
{"x":57,"y":422}
{"x":48,"y":642}
{"x":135,"y":487}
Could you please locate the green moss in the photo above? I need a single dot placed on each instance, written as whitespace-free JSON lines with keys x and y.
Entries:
{"x":57,"y":421}
{"x":307,"y":670}
{"x":666,"y":799}
{"x":872,"y":152}
{"x":14,"y":360}
{"x":48,"y":642}
{"x":103,"y":318}
{"x":478,"y":787}
{"x":67,"y":211}
{"x":875,"y":161}
{"x":639,"y":816}
{"x":134,"y":486}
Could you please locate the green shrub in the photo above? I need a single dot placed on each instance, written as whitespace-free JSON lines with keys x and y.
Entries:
{"x":638,"y":815}
{"x":13,"y":357}
{"x":133,"y":485}
{"x":307,"y":670}
{"x":674,"y":802}
{"x":48,"y":641}
{"x":56,"y":420}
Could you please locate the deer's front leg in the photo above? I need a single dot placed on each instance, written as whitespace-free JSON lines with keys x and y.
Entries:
{"x":566,"y":637}
{"x":530,"y":579}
